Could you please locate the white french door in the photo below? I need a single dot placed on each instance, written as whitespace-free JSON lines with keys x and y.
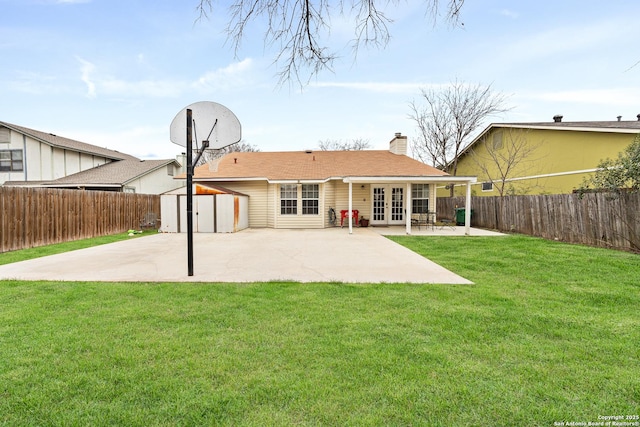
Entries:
{"x":387,"y":205}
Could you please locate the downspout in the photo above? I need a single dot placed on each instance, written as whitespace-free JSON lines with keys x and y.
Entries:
{"x":350,"y":206}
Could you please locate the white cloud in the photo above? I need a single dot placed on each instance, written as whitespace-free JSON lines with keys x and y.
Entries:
{"x":35,"y":83}
{"x":232,"y":76}
{"x":86,"y":70}
{"x":509,"y":13}
{"x":141,"y":141}
{"x":235,"y":74}
{"x":150,"y":88}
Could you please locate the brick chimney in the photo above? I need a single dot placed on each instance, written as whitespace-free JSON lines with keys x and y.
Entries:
{"x":398,"y":144}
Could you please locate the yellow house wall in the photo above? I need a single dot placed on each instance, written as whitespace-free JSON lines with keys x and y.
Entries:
{"x":561,"y":154}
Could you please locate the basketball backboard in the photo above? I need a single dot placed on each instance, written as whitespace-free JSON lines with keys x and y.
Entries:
{"x":212,"y":122}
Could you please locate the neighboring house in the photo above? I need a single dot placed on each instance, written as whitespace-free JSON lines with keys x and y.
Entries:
{"x":540,"y":158}
{"x":128,"y":176}
{"x":38,"y":159}
{"x":297,"y":189}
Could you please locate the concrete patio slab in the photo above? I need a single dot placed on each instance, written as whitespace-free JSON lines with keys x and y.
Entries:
{"x":253,"y":255}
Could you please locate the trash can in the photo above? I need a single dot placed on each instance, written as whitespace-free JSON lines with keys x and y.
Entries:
{"x":460,"y":213}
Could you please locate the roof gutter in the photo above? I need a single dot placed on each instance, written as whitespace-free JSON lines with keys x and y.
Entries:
{"x":417,"y":179}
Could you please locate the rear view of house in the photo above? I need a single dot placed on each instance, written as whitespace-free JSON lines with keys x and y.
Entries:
{"x":297,"y":189}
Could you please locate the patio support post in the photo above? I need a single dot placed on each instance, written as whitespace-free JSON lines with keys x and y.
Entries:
{"x":467,"y":211}
{"x":407,"y":215}
{"x":350,"y":207}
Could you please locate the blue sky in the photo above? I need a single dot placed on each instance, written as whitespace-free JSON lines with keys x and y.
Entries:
{"x":114,"y":73}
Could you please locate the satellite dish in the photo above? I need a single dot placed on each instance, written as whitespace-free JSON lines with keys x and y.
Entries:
{"x":212,"y":122}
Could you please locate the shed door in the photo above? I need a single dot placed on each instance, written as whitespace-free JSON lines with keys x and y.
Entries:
{"x":203,"y":214}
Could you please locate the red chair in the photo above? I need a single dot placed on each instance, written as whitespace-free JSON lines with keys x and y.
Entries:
{"x":345,"y":214}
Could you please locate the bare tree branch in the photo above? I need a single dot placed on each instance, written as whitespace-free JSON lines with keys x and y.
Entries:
{"x":241,"y":146}
{"x":340,"y":145}
{"x":301,"y":29}
{"x":504,"y":153}
{"x":448,"y":117}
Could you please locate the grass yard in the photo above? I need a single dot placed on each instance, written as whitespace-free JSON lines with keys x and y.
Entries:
{"x":40,"y":251}
{"x":549,"y":333}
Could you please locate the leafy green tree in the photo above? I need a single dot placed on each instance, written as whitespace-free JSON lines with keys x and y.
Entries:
{"x":618,"y":178}
{"x":620,"y":174}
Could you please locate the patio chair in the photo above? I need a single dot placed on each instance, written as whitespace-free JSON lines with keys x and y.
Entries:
{"x":446,"y":222}
{"x":423,"y":219}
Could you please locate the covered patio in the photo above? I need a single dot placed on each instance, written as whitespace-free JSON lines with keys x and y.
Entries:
{"x":406,"y":203}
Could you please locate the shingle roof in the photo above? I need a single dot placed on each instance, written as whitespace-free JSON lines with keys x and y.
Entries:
{"x":69,"y":144}
{"x":114,"y":173}
{"x":617,"y":126}
{"x":313,"y":165}
{"x":614,"y":126}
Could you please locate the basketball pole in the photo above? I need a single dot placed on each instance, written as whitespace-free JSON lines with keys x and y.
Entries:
{"x":189,"y":195}
{"x":231,"y":133}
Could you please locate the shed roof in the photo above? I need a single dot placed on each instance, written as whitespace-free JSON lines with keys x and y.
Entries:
{"x":313,"y":165}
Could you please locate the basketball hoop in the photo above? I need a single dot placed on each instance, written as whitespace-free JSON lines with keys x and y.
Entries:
{"x":221,"y":127}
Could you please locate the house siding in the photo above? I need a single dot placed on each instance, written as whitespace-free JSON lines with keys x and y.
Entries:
{"x":299,"y":220}
{"x":557,"y":165}
{"x":329,"y":192}
{"x":43,"y":162}
{"x":258,"y":192}
{"x":156,"y":182}
{"x":361,"y":199}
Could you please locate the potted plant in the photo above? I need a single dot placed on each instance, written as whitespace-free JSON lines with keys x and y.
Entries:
{"x":364,"y":222}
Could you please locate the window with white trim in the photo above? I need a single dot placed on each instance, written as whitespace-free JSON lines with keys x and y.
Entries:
{"x":419,"y":198}
{"x":310,"y":199}
{"x":497,"y":140}
{"x":11,"y":161}
{"x":288,"y":199}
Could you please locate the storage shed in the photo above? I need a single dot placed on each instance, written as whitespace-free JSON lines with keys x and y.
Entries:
{"x":215,"y":210}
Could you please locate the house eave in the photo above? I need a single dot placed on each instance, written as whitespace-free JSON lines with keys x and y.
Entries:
{"x":417,"y":179}
{"x":561,"y":128}
{"x":354,"y":179}
{"x":149,"y":171}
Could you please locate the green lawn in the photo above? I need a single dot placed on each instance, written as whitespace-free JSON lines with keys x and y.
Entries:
{"x":549,"y":333}
{"x":40,"y":251}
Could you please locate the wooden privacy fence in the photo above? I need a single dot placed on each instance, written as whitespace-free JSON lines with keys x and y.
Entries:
{"x":32,"y":217}
{"x":597,"y":219}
